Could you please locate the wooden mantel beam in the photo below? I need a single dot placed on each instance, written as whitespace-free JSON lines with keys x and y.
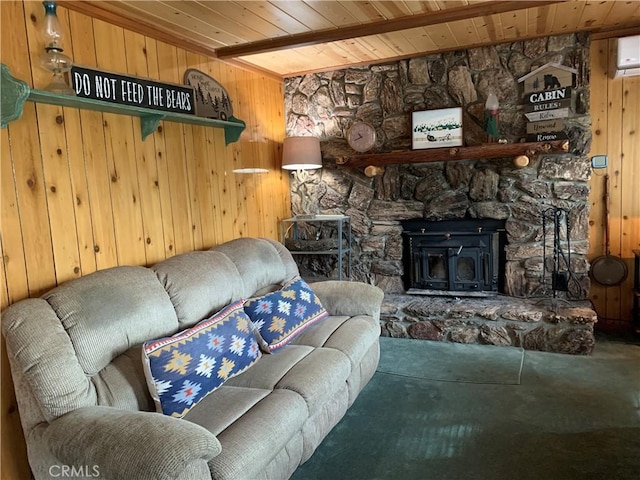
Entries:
{"x":479,"y":152}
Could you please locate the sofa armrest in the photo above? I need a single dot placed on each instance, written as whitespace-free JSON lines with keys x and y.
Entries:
{"x":349,"y":298}
{"x":128,"y":444}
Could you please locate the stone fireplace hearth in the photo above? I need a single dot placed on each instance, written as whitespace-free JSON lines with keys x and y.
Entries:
{"x":546,"y":324}
{"x":326,"y":104}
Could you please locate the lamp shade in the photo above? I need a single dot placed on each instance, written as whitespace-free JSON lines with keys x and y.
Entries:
{"x":301,"y":153}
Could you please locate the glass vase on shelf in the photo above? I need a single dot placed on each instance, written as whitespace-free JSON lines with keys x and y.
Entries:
{"x":53,"y":59}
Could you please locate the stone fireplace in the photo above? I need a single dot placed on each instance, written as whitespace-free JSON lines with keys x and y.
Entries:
{"x":495,"y":190}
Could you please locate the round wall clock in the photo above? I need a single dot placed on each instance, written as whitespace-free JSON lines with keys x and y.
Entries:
{"x":361,"y":136}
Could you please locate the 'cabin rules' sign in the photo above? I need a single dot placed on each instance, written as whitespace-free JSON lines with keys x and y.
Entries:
{"x":133,"y":91}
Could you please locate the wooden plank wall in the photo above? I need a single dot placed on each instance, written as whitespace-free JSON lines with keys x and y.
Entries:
{"x":615,"y":121}
{"x":81,"y":191}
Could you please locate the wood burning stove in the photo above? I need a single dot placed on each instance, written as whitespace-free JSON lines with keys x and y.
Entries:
{"x":454,"y":255}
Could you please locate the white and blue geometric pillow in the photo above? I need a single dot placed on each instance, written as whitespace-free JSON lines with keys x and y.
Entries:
{"x":183,"y":369}
{"x":282,"y":315}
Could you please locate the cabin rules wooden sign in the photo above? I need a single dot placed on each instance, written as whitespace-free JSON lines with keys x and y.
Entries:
{"x":547,"y":95}
{"x":133,"y":91}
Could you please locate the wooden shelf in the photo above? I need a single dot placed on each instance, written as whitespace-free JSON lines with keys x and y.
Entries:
{"x":489,"y":150}
{"x":15,"y":92}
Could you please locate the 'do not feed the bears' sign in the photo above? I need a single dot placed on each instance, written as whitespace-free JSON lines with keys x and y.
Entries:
{"x":134,"y":91}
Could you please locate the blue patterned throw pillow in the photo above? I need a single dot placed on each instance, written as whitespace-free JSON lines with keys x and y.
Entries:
{"x":282,"y":315}
{"x":183,"y":369}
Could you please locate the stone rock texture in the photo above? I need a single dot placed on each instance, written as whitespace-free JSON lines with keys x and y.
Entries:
{"x":326,"y":105}
{"x":547,"y":325}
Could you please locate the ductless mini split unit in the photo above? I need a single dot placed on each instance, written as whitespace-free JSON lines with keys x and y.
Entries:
{"x":628,"y":60}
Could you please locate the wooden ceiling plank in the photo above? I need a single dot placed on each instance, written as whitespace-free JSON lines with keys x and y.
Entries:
{"x":304,"y":13}
{"x":418,"y":7}
{"x":442,"y":36}
{"x":514,"y":25}
{"x":238,"y":14}
{"x":191,"y":23}
{"x":334,"y":12}
{"x":398,"y":44}
{"x":420,"y":38}
{"x":401,"y":23}
{"x":594,"y":14}
{"x":496,"y":22}
{"x":356,"y":50}
{"x":533,"y":21}
{"x":271,"y":13}
{"x":145,"y":24}
{"x":486,"y":29}
{"x":567,"y":16}
{"x":377,"y":47}
{"x":622,"y":13}
{"x":367,"y":11}
{"x":399,"y":9}
{"x":545,"y":19}
{"x":448,"y":4}
{"x":464,"y":32}
{"x":394,"y":43}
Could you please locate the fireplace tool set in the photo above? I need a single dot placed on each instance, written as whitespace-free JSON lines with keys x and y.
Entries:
{"x":562,"y":276}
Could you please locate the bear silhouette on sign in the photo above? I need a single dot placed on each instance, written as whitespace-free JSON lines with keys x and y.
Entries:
{"x":551,"y":82}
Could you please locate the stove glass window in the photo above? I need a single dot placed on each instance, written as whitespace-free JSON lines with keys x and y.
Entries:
{"x":437,"y":267}
{"x":466,"y":269}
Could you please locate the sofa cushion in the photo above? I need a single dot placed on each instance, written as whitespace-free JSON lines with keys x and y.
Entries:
{"x":261,"y":263}
{"x":315,"y":374}
{"x":318,"y":377}
{"x":199,"y":284}
{"x":229,"y":404}
{"x":251,"y":443}
{"x":121,"y":384}
{"x":282,"y":315}
{"x":353,"y":336}
{"x":183,"y":369}
{"x":109,"y":311}
{"x":271,"y":368}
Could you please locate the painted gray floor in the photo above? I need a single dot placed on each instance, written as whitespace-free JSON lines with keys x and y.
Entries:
{"x":563,"y":417}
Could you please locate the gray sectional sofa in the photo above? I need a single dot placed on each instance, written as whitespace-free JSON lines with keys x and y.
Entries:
{"x":86,"y":411}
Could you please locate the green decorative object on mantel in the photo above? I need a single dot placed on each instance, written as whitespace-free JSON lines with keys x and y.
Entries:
{"x":15,"y":92}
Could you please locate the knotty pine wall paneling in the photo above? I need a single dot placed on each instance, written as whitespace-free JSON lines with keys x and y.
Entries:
{"x":615,"y":125}
{"x":81,"y":191}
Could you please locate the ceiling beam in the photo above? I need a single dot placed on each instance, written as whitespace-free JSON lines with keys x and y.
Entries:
{"x":377,"y":28}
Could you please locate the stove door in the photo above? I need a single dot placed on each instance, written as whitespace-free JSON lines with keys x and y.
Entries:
{"x":435,"y":271}
{"x":465,"y":265}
